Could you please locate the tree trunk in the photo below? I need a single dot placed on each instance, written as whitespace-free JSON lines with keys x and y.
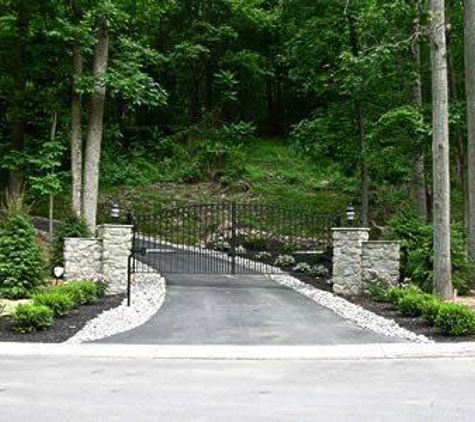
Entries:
{"x":94,"y":134}
{"x":470,"y":88}
{"x":419,"y":176}
{"x":441,"y":172}
{"x":54,"y":127}
{"x":361,"y":131}
{"x":15,"y":178}
{"x":76,"y":136}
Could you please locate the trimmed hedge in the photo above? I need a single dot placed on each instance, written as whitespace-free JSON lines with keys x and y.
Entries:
{"x":450,"y":318}
{"x":455,"y":320}
{"x":29,"y":317}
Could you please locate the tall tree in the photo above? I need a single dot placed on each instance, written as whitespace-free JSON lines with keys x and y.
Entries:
{"x":95,"y":127}
{"x":419,"y":170}
{"x":441,"y":172}
{"x":470,"y":89}
{"x":360,"y":126}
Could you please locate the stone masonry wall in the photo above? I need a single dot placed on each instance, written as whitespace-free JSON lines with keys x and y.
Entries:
{"x":82,"y":257}
{"x":108,"y":254}
{"x":347,"y":257}
{"x":381,"y":260}
{"x":116,"y":248}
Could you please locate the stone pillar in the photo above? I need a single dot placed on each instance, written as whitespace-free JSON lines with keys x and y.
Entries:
{"x":380,"y":261}
{"x":347,"y":259}
{"x":116,"y":249}
{"x":82,"y":258}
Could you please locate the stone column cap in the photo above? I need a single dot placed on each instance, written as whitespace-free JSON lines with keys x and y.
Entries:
{"x":118,"y":226}
{"x":83,"y":238}
{"x":351,"y":229}
{"x":383,"y":241}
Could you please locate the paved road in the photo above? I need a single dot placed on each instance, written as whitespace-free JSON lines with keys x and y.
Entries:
{"x":242,"y":309}
{"x":73,"y":389}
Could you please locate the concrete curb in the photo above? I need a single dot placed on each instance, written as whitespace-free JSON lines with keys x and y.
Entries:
{"x":227,"y":352}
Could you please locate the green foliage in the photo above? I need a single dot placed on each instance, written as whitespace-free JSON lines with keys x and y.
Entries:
{"x":430,"y":309}
{"x":394,"y":294}
{"x":70,"y":227}
{"x":455,"y":320}
{"x":22,"y":260}
{"x":28,"y":318}
{"x":59,"y":301}
{"x":82,"y":292}
{"x":413,"y":304}
{"x":417,"y":250}
{"x":378,"y":291}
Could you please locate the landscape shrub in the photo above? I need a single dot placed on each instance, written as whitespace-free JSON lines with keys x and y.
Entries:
{"x":255,"y":243}
{"x":455,"y":320}
{"x":59,"y":301}
{"x":394,"y":294}
{"x":101,"y":284}
{"x":412,"y":304}
{"x":430,"y":309}
{"x":71,"y":227}
{"x":28,"y":318}
{"x":82,"y":292}
{"x":303,"y":267}
{"x":284,"y":261}
{"x":319,"y":270}
{"x":23,"y":262}
{"x":264,"y":255}
{"x":418,"y":253}
{"x":378,"y":291}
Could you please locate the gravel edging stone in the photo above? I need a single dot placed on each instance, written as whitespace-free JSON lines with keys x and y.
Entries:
{"x":148,"y":294}
{"x":360,"y":316}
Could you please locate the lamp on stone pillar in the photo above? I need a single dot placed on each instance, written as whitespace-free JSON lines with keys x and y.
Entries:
{"x":350,"y":214}
{"x":115,"y":211}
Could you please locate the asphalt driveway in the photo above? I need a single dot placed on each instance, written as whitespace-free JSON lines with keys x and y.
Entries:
{"x":241,"y":309}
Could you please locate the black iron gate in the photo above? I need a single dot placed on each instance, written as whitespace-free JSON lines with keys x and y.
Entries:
{"x":228,"y":238}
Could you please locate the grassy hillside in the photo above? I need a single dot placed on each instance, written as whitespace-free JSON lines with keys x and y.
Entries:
{"x":272,"y":173}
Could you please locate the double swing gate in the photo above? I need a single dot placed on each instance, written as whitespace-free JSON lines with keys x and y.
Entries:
{"x":228,"y":238}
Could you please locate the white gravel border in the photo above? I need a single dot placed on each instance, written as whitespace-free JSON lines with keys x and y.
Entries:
{"x":148,"y":294}
{"x":360,"y":316}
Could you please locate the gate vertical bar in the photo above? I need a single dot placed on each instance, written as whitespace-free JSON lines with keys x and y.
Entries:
{"x":233,"y":237}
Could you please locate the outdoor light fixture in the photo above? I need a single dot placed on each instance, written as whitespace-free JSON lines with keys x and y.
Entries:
{"x":58,"y":272}
{"x":115,"y":211}
{"x":350,"y":214}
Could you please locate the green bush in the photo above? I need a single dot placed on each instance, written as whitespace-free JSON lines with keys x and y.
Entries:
{"x":430,"y":309}
{"x":71,"y":227}
{"x":82,"y":292}
{"x":28,"y":318}
{"x":59,"y":301}
{"x":455,"y":320}
{"x":378,"y":291}
{"x":418,"y":253}
{"x":23,"y":263}
{"x":394,"y":294}
{"x":412,"y":304}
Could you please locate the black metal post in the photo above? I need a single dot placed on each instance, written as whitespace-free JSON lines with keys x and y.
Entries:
{"x":129,"y":281}
{"x":233,"y":237}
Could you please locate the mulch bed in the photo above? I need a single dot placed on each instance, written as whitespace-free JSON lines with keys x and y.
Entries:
{"x":62,"y":328}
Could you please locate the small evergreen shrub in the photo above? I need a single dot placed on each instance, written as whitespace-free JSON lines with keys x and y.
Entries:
{"x":455,"y":320}
{"x":303,"y":267}
{"x":412,"y":304}
{"x":59,"y":301}
{"x":319,"y":270}
{"x":378,"y":291}
{"x":430,"y":309}
{"x":28,"y":318}
{"x":82,"y":292}
{"x":394,"y":294}
{"x":284,"y":261}
{"x":264,"y":255}
{"x":23,"y":264}
{"x":100,"y":282}
{"x":71,"y":227}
